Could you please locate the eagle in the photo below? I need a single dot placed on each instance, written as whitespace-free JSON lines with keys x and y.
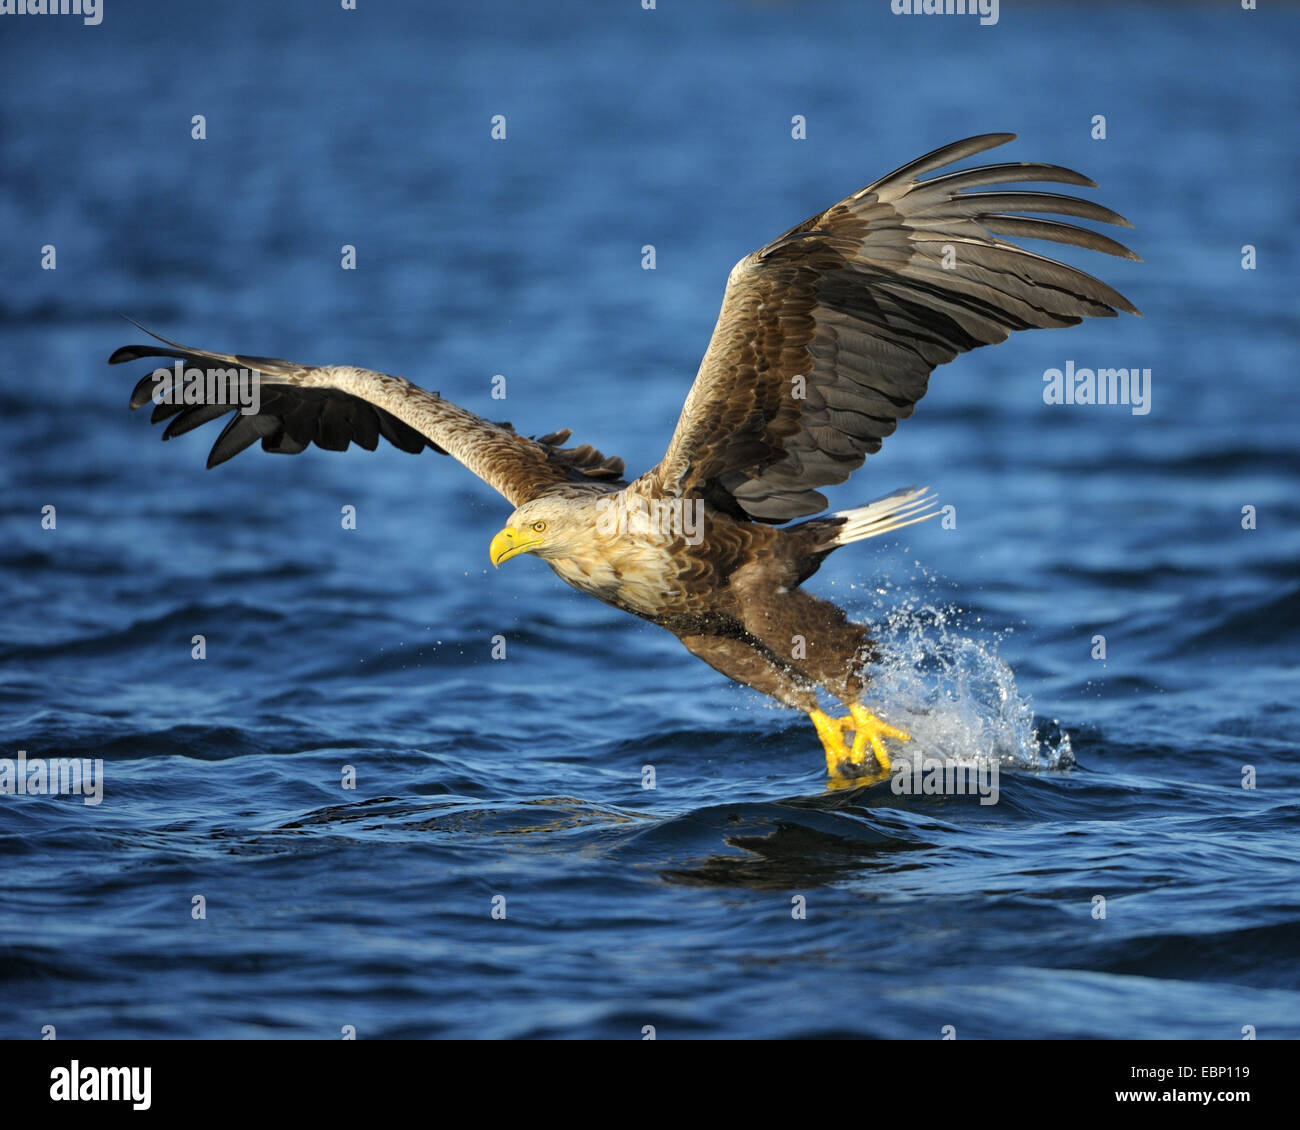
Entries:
{"x":826,"y":339}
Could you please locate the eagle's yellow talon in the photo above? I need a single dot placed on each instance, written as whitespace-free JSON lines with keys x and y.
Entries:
{"x":867,"y":728}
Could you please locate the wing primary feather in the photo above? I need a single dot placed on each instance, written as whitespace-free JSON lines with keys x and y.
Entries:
{"x":937,"y":158}
{"x":1055,"y":230}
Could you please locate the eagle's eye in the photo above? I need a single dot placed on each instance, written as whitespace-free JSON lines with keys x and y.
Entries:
{"x":539,"y":527}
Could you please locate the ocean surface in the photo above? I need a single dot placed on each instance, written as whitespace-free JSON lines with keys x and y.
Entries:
{"x":1110,"y":616}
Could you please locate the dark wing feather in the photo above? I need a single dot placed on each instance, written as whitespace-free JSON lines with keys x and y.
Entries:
{"x":332,"y":407}
{"x":854,"y":309}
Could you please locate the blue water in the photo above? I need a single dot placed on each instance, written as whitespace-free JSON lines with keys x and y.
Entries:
{"x":625,"y":907}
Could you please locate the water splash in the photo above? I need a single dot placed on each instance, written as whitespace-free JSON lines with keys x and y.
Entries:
{"x":955,"y":695}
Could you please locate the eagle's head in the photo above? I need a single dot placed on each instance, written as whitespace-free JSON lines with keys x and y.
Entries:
{"x":550,"y":527}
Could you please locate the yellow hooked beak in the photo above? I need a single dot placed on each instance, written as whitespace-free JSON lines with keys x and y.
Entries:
{"x":510,"y":543}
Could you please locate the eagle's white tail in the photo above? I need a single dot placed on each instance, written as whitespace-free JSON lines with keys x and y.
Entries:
{"x":893,"y":512}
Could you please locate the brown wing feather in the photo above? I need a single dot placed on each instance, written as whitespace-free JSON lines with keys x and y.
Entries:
{"x":854,"y":309}
{"x":337,"y":405}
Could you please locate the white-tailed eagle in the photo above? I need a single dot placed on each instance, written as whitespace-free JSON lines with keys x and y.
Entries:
{"x":826,"y":339}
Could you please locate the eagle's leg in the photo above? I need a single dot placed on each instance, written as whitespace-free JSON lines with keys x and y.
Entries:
{"x":749,"y":661}
{"x":828,"y":650}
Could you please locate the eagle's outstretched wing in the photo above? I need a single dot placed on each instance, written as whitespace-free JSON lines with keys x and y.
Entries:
{"x":828,"y":335}
{"x":336,"y":405}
